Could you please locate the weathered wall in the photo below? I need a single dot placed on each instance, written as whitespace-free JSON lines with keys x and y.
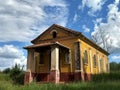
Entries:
{"x":69,"y":40}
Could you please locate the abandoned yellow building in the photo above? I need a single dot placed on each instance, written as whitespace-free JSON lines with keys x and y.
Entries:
{"x":60,"y":54}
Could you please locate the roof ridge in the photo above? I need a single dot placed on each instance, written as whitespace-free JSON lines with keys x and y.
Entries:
{"x":67,"y":29}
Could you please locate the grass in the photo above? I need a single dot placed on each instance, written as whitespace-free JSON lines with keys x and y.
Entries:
{"x":7,"y":84}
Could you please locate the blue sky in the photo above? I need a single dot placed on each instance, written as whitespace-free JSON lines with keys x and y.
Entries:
{"x":23,"y":20}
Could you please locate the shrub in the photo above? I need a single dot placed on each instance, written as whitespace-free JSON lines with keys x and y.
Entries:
{"x":7,"y":70}
{"x":17,"y":75}
{"x":20,"y":78}
{"x":106,"y":77}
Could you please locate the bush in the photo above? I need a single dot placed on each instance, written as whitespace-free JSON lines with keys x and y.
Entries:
{"x":20,"y":78}
{"x":17,"y":75}
{"x":7,"y":70}
{"x":106,"y":77}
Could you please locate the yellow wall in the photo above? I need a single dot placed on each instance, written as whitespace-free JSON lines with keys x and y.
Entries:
{"x":69,"y":42}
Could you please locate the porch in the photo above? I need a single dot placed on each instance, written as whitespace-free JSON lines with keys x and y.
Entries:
{"x":45,"y":61}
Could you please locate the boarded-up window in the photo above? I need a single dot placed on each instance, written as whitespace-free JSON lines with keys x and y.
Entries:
{"x":85,"y":57}
{"x":95,"y":60}
{"x":77,"y":56}
{"x":101,"y":65}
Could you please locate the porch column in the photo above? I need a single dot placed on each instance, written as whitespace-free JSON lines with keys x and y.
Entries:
{"x":28,"y":78}
{"x":54,"y":73}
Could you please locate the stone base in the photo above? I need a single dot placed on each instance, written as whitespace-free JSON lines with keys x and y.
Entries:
{"x":66,"y":77}
{"x":77,"y":76}
{"x":54,"y":76}
{"x":28,"y":78}
{"x":87,"y":76}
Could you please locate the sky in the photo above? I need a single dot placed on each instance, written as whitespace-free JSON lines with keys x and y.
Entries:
{"x":23,"y":20}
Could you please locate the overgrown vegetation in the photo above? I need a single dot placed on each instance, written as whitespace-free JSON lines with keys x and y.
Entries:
{"x":10,"y":78}
{"x":105,"y":77}
{"x":16,"y":74}
{"x":114,"y":67}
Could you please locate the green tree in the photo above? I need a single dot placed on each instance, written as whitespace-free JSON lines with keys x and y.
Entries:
{"x":17,"y":74}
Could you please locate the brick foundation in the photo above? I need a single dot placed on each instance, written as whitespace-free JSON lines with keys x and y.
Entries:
{"x":28,"y":78}
{"x":87,"y":77}
{"x":77,"y":76}
{"x":55,"y":77}
{"x":66,"y":77}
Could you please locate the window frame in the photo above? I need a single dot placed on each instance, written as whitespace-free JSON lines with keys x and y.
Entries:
{"x":95,"y":60}
{"x":86,"y":57}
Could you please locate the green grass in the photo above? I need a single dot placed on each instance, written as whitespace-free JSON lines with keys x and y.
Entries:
{"x":7,"y":84}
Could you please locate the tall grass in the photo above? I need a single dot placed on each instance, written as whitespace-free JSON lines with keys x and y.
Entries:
{"x":7,"y":84}
{"x":113,"y":76}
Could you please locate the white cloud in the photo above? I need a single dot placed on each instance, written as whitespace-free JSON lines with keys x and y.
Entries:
{"x":86,"y":30}
{"x":111,"y":27}
{"x":10,"y":55}
{"x":116,"y":57}
{"x":94,"y":5}
{"x":21,"y":20}
{"x":75,"y":18}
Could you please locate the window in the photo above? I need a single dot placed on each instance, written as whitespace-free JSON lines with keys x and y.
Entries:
{"x":77,"y":56}
{"x":85,"y":57}
{"x":67,"y":57}
{"x":54,"y":34}
{"x":41,"y":58}
{"x":101,"y":65}
{"x":107,"y":67}
{"x":95,"y":60}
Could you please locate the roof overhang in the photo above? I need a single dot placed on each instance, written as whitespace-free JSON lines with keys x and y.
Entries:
{"x":41,"y":45}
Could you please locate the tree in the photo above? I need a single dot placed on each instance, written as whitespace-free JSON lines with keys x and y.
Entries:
{"x":114,"y":67}
{"x":17,"y":74}
{"x":7,"y":70}
{"x":102,"y":38}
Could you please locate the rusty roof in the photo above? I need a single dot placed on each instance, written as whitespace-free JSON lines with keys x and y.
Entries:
{"x":45,"y":45}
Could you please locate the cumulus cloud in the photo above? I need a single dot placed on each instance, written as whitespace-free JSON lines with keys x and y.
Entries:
{"x":10,"y":55}
{"x":86,"y":30}
{"x":111,"y":28}
{"x":115,"y":58}
{"x":21,"y":20}
{"x":94,"y":5}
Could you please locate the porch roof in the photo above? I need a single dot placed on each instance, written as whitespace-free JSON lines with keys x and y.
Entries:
{"x":45,"y":45}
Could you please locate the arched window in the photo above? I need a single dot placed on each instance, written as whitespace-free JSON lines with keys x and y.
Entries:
{"x":85,"y":57}
{"x":95,"y":60}
{"x":101,"y":65}
{"x":54,"y":34}
{"x":67,"y":57}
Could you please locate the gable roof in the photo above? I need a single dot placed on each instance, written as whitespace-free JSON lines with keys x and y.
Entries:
{"x":75,"y":33}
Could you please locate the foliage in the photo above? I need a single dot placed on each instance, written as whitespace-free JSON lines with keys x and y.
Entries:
{"x":109,"y":81}
{"x":106,"y":85}
{"x":4,"y":77}
{"x":114,"y":67}
{"x":106,"y":77}
{"x":7,"y":70}
{"x":17,"y":75}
